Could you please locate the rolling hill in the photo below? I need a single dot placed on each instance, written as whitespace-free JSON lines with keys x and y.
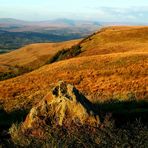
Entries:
{"x":33,"y":55}
{"x":116,"y":40}
{"x":113,"y":64}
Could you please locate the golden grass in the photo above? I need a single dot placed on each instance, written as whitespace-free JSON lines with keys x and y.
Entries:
{"x":99,"y":77}
{"x":114,"y":64}
{"x":34,"y":55}
{"x":116,"y":40}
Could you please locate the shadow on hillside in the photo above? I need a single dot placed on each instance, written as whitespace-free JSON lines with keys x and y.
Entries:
{"x":7,"y":119}
{"x":124,"y":111}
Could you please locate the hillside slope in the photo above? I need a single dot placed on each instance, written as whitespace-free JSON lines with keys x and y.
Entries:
{"x":115,"y":40}
{"x":33,"y":55}
{"x":121,"y":73}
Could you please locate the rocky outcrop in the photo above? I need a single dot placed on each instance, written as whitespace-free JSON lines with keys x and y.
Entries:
{"x":63,"y":105}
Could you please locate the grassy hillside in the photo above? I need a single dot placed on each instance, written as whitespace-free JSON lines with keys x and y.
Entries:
{"x":115,"y":40}
{"x":99,"y":77}
{"x":110,"y":68}
{"x":32,"y":56}
{"x":120,"y":73}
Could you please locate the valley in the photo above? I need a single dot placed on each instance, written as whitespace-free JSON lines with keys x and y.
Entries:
{"x":17,"y":33}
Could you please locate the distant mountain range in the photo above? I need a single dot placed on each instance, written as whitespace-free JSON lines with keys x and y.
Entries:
{"x":17,"y":33}
{"x":11,"y":24}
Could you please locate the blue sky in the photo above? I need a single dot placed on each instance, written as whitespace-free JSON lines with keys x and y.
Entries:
{"x":100,"y":10}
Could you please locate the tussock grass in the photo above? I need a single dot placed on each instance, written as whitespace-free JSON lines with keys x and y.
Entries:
{"x":17,"y":136}
{"x":123,"y":124}
{"x":130,"y":133}
{"x":133,"y":134}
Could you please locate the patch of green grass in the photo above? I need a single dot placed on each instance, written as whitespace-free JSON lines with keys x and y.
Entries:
{"x":19,"y":70}
{"x":66,"y":54}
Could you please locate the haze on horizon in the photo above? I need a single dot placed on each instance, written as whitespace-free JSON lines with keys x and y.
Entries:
{"x":106,"y":10}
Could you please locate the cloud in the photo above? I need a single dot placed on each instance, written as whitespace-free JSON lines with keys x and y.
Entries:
{"x":131,"y":14}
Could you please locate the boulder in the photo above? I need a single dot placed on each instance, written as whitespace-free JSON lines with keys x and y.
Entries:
{"x":62,"y":106}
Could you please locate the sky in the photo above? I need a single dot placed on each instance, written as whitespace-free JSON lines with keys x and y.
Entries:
{"x":98,"y":10}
